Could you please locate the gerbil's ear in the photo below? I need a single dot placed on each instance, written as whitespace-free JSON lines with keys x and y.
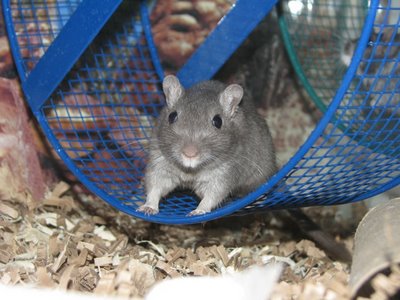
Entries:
{"x":173,"y":89}
{"x":230,"y":98}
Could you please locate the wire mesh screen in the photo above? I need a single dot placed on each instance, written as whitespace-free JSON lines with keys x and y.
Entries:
{"x":104,"y":111}
{"x":37,"y":24}
{"x":357,"y":153}
{"x":101,"y":116}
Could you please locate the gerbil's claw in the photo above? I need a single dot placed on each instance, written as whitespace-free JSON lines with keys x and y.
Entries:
{"x":196,"y":212}
{"x":147,"y":210}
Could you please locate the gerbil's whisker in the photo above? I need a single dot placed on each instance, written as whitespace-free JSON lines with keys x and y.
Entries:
{"x":254,"y":164}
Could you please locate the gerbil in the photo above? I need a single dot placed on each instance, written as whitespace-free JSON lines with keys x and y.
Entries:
{"x":209,"y":140}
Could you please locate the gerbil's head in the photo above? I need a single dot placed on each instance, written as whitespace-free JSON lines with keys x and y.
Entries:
{"x":199,"y":126}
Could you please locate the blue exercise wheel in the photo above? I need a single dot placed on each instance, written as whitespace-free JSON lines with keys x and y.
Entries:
{"x":91,"y":75}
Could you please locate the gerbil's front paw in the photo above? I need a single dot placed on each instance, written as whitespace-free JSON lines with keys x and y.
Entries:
{"x":197,"y":212}
{"x":148,"y":210}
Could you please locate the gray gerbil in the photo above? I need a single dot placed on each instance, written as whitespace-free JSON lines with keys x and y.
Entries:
{"x":207,"y":139}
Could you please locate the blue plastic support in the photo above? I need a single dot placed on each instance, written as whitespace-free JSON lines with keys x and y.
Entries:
{"x":231,"y":31}
{"x":71,"y":42}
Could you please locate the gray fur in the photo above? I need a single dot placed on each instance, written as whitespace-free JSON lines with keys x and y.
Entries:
{"x":234,"y":159}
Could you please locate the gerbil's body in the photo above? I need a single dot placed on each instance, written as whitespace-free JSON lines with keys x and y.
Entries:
{"x":207,"y":142}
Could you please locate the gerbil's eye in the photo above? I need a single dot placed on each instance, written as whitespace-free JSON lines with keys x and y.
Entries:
{"x":172,"y":117}
{"x":217,"y":121}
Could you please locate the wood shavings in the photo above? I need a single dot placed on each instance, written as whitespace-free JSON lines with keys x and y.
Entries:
{"x":110,"y":253}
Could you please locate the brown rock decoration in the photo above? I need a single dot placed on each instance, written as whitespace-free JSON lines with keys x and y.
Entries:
{"x":21,"y":175}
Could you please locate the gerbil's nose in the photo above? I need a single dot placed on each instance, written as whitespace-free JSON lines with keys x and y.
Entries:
{"x":190,"y":151}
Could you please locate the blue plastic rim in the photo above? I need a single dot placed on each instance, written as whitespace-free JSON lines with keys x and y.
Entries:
{"x":98,"y":104}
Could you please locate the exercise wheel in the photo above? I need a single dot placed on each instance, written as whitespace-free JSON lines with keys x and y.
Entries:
{"x":91,"y":75}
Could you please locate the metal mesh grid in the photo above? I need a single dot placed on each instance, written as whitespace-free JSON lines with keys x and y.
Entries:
{"x":103,"y":113}
{"x":100,"y":118}
{"x":37,"y":24}
{"x":358,"y":152}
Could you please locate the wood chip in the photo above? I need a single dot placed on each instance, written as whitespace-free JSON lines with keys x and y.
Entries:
{"x":167,"y":269}
{"x":66,"y":203}
{"x":84,"y":245}
{"x":44,"y":229}
{"x":119,"y":244}
{"x":54,"y":249}
{"x":105,"y":285}
{"x":202,"y":253}
{"x":8,"y":237}
{"x":288,"y":248}
{"x":223,"y":255}
{"x":103,"y":261}
{"x":67,"y":277}
{"x":104,"y":233}
{"x":190,"y":256}
{"x":123,"y":276}
{"x":87,"y":278}
{"x":60,"y":189}
{"x":124,"y":290}
{"x":6,"y":255}
{"x":81,"y":259}
{"x":310,"y":249}
{"x":99,"y":220}
{"x":41,"y":256}
{"x":199,"y":269}
{"x":385,"y":284}
{"x":176,"y":253}
{"x":6,"y":279}
{"x":60,"y":259}
{"x":142,"y":275}
{"x":8,"y":211}
{"x":44,"y":278}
